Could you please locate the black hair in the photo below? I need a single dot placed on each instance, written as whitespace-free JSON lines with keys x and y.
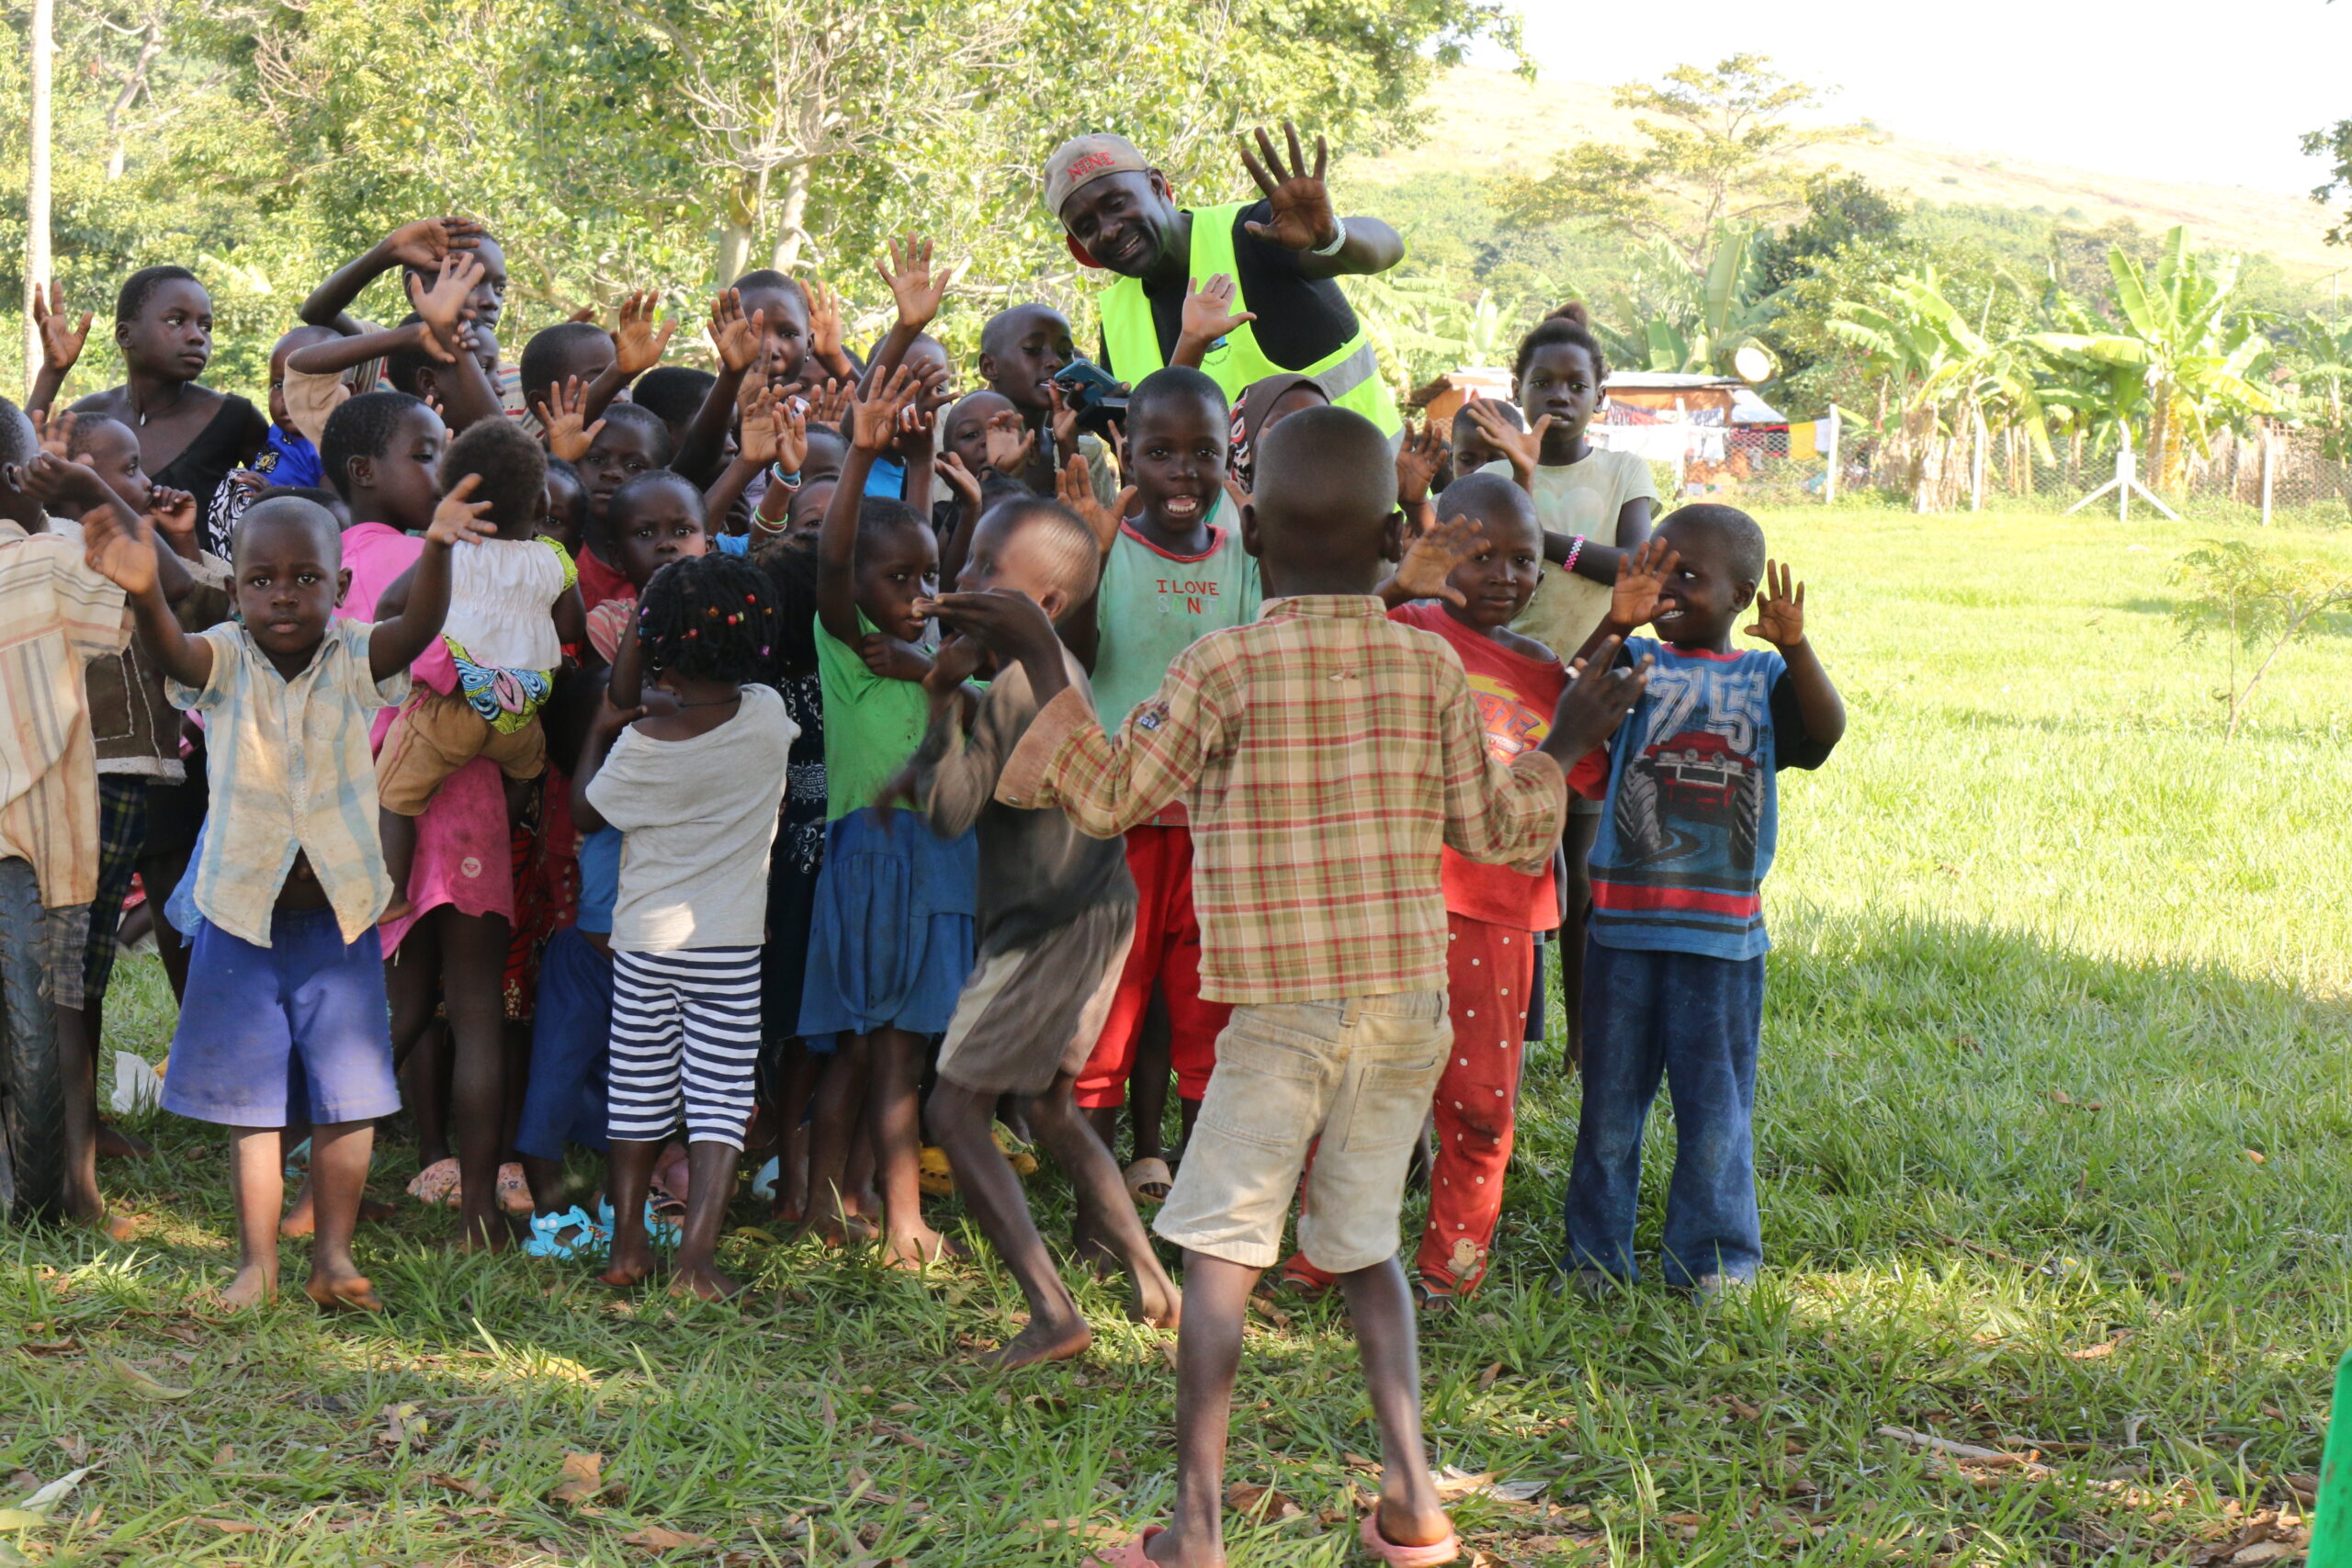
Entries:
{"x":1483,"y":495}
{"x":1171,"y":384}
{"x":563,"y":466}
{"x":548,"y":353}
{"x":673,"y":393}
{"x":646,"y":419}
{"x":512,"y":470}
{"x":316,"y":494}
{"x":361,"y":427}
{"x":140,"y":286}
{"x":791,"y":566}
{"x":1324,"y":459}
{"x":292,"y":508}
{"x":769,"y":279}
{"x":1742,"y":537}
{"x":1509,"y":410}
{"x":708,"y":618}
{"x":999,"y":327}
{"x":620,"y":502}
{"x":1570,"y":324}
{"x":1076,"y":554}
{"x":17,"y":444}
{"x":878,"y":514}
{"x":86,"y":426}
{"x":401,"y":366}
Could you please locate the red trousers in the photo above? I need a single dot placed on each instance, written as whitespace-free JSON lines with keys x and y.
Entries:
{"x":1490,"y":973}
{"x":1167,"y":952}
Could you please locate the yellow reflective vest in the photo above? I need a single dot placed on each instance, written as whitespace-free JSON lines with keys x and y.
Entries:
{"x":1350,"y":375}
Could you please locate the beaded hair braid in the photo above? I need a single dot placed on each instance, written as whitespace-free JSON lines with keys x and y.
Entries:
{"x":708,"y":618}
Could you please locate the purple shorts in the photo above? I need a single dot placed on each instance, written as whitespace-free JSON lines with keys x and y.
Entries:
{"x":303,"y":1019}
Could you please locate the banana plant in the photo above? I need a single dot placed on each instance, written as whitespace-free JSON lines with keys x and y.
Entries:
{"x":1946,"y":368}
{"x":1683,"y":320}
{"x":2186,"y":367}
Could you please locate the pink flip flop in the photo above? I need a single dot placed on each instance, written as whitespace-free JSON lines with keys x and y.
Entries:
{"x":1128,"y":1556}
{"x":1388,"y":1551}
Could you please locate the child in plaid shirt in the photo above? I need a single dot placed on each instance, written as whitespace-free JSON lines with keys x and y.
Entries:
{"x":1328,"y":755}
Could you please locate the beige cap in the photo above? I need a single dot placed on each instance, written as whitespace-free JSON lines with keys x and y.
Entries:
{"x":1082,"y":160}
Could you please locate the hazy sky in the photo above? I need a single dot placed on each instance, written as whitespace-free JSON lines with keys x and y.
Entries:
{"x":2213,"y":93}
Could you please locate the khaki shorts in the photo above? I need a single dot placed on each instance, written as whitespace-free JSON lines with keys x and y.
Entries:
{"x":1357,"y":1074}
{"x":1029,"y":1014}
{"x":438,"y":733}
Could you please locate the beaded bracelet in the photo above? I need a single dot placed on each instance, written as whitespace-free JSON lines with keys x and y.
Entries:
{"x":1575,"y":548}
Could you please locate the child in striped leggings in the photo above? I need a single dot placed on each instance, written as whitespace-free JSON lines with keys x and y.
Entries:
{"x":692,"y":778}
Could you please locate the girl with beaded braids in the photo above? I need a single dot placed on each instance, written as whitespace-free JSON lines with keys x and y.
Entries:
{"x":695,"y":789}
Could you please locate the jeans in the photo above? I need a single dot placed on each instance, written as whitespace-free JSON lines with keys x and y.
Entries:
{"x":1696,"y":1021}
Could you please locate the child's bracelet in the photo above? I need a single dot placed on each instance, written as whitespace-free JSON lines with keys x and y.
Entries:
{"x":1575,"y":548}
{"x":778,"y":477}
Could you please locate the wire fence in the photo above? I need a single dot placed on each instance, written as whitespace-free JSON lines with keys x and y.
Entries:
{"x":2271,"y":475}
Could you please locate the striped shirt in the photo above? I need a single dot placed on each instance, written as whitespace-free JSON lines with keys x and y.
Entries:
{"x":290,"y":773}
{"x":56,"y":614}
{"x":1328,"y":754}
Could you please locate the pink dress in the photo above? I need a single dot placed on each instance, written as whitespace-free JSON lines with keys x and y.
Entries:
{"x":462,"y":851}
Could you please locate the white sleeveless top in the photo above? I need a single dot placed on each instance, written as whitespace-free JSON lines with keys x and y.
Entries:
{"x":502,"y":601}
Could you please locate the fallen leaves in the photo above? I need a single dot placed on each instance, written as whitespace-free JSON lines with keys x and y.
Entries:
{"x":465,"y":1487}
{"x":37,"y":1508}
{"x":1262,"y":1503}
{"x":656,"y":1538}
{"x":2101,"y":1350}
{"x":1083,"y":1532}
{"x":583,"y":1481}
{"x":137,"y":1383}
{"x":230,"y":1526}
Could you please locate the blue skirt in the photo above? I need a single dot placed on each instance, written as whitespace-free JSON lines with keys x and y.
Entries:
{"x":890,"y":938}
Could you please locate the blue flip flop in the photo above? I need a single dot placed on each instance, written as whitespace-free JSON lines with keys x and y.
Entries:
{"x":661,"y":1232}
{"x":590,"y":1239}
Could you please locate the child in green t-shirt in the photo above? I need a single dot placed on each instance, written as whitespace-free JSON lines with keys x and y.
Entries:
{"x":891,"y":933}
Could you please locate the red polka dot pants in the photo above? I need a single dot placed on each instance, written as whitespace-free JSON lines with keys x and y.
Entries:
{"x":1490,"y":970}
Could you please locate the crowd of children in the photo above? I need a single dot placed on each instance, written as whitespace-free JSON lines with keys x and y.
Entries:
{"x":686,"y":764}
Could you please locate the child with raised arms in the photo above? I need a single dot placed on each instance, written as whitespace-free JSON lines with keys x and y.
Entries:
{"x":1056,"y":912}
{"x":1582,"y":492}
{"x":695,"y":792}
{"x":893,"y":938}
{"x":1329,"y":756}
{"x":1174,"y":571}
{"x":1674,"y":959}
{"x":288,"y":970}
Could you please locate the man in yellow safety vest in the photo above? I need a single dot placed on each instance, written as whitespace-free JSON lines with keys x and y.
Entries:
{"x":1280,"y":253}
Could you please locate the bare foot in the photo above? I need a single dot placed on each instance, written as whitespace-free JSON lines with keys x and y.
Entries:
{"x":348,"y":1292}
{"x":1092,"y":1250}
{"x":630,"y":1267}
{"x":1041,"y":1341}
{"x":252,"y":1286}
{"x":1181,"y":1551}
{"x":707,"y":1282}
{"x":375,"y":1209}
{"x":1401,"y":1524}
{"x":92,"y":1213}
{"x":1155,"y":1299}
{"x":116,"y":1144}
{"x":837,"y":1230}
{"x":301,"y":1218}
{"x":492,"y":1231}
{"x":918,"y":1249}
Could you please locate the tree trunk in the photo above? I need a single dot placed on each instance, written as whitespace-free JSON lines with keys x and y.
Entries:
{"x":38,"y":263}
{"x":737,"y":221}
{"x":792,"y":215}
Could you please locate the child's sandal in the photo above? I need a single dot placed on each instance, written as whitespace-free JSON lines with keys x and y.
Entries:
{"x":548,"y":1238}
{"x":514,"y":1190}
{"x":435,"y":1185}
{"x":1150,"y":1181}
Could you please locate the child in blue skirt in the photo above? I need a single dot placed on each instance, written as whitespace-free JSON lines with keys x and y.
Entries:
{"x":891,"y":938}
{"x":286,"y":971}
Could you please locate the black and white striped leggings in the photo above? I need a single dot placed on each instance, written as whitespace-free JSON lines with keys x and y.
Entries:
{"x":686,"y":1036}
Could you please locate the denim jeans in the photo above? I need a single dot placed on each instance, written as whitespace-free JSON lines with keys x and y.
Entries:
{"x":1696,"y":1020}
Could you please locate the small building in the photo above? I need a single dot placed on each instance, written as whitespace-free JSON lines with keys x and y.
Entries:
{"x":1655,"y":397}
{"x":1443,"y":398}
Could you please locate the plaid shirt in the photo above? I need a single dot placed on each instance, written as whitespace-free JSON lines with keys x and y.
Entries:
{"x":1328,"y":753}
{"x":56,"y":614}
{"x":290,"y":773}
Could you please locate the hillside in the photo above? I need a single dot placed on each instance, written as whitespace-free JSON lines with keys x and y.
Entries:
{"x":1485,"y":123}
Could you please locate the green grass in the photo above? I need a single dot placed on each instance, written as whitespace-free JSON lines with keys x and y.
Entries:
{"x":2054,"y":964}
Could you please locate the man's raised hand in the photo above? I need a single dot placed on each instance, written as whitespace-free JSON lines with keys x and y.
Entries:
{"x":1301,"y":219}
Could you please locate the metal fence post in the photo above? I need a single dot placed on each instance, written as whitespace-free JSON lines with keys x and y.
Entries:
{"x":2265,"y":476}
